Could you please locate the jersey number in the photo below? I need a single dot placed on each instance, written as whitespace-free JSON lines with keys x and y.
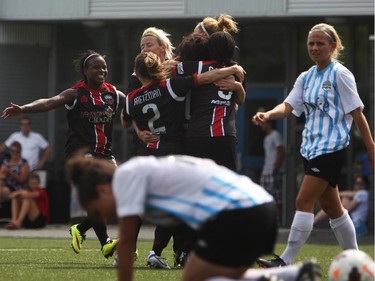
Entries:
{"x":152,"y":107}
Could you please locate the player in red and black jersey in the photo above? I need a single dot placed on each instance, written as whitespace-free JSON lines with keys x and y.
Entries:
{"x":92,"y":105}
{"x":90,"y":119}
{"x":157,"y":107}
{"x":211,"y":131}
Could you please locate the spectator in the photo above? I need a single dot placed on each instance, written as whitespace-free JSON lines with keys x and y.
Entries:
{"x":35,"y":148}
{"x":13,"y":172}
{"x":272,"y":173}
{"x":29,"y":206}
{"x":356,"y":202}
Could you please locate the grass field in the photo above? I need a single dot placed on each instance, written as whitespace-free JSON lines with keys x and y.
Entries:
{"x":28,"y":259}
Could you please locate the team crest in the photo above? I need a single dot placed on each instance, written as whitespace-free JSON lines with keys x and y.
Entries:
{"x":108,"y":99}
{"x":327,"y":86}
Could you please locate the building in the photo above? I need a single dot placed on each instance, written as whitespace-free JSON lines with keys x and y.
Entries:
{"x":40,"y":38}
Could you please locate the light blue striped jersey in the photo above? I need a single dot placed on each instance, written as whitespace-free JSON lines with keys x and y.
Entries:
{"x":326,"y":97}
{"x":190,"y":189}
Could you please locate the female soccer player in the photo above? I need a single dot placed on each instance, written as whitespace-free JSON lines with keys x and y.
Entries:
{"x":328,"y":96}
{"x":91,"y":106}
{"x":211,"y":130}
{"x":219,"y":204}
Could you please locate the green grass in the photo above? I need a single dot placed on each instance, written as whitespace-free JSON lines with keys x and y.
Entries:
{"x":53,"y":259}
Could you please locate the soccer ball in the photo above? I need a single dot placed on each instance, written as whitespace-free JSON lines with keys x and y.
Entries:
{"x":352,"y":265}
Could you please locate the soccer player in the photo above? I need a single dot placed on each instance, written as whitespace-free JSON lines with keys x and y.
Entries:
{"x":91,"y":106}
{"x":218,"y":203}
{"x":210,"y":25}
{"x":157,"y":41}
{"x":328,"y":96}
{"x":211,"y":131}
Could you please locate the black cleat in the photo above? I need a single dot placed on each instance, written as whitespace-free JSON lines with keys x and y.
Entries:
{"x":276,"y":262}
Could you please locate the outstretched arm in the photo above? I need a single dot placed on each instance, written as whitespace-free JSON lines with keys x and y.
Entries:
{"x":279,"y":111}
{"x":40,"y":105}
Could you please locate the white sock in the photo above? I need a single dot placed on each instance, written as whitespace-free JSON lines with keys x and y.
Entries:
{"x":289,"y":272}
{"x":299,"y":232}
{"x":344,"y":230}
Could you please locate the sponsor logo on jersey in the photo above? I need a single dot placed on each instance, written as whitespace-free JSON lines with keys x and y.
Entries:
{"x":221,"y":102}
{"x":315,"y":170}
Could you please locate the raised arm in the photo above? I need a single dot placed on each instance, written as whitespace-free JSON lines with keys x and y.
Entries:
{"x":40,"y":105}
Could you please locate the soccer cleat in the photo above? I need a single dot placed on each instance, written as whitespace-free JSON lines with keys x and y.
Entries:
{"x":309,"y":271}
{"x":135,"y":255}
{"x":154,"y":261}
{"x":276,"y":262}
{"x":109,"y":248}
{"x":77,"y":238}
{"x":180,"y":259}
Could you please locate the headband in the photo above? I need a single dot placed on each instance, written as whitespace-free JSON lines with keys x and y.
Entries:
{"x":86,"y":59}
{"x":201,"y":25}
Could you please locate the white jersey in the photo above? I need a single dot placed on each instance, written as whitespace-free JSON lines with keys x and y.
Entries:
{"x":271,"y":142}
{"x":31,"y":145}
{"x":326,"y":97}
{"x":183,"y":187}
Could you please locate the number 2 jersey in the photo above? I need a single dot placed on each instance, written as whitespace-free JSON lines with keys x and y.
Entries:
{"x":212,"y":110}
{"x":159,"y":108}
{"x":90,"y":119}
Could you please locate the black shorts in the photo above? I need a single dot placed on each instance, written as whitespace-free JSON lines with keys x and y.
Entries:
{"x":220,"y":149}
{"x":39,"y":222}
{"x":327,"y":166}
{"x":236,"y":238}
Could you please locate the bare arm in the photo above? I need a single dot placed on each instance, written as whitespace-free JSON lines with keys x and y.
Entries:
{"x":362,"y":125}
{"x":41,"y":105}
{"x":129,"y":227}
{"x":219,"y":73}
{"x":280,"y":111}
{"x":43,"y":159}
{"x":145,"y":136}
{"x":229,"y":84}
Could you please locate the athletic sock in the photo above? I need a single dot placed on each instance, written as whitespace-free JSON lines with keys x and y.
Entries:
{"x":162,"y":235}
{"x":299,"y":233}
{"x":101,"y":232}
{"x":84,"y":225}
{"x":344,"y":230}
{"x":289,"y":272}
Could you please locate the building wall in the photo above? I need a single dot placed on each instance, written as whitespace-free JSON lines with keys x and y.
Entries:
{"x":134,"y":9}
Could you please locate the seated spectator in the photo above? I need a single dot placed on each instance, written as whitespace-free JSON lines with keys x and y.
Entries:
{"x":356,"y":201}
{"x":29,"y":206}
{"x":14,"y":172}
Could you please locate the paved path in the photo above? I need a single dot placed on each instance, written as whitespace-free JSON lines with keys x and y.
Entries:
{"x":318,"y":236}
